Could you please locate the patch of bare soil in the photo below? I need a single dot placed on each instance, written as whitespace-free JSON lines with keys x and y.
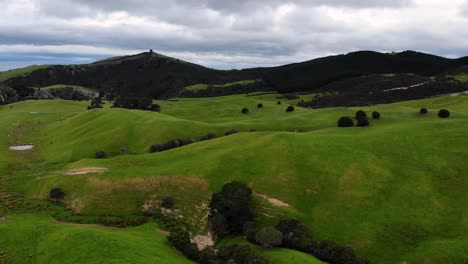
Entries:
{"x":3,"y":219}
{"x":203,"y":241}
{"x":84,"y":170}
{"x":273,"y":201}
{"x":89,"y":226}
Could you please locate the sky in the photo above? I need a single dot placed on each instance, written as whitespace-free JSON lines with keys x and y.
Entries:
{"x":226,"y":34}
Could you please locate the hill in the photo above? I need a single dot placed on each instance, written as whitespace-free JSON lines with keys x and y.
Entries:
{"x":154,"y":75}
{"x":394,"y":191}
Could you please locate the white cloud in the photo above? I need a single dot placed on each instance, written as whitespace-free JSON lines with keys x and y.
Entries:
{"x":231,"y":34}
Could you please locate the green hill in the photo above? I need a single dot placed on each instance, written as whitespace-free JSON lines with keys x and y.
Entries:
{"x":395,"y":191}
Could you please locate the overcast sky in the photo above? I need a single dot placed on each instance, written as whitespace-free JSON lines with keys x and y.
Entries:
{"x":226,"y":34}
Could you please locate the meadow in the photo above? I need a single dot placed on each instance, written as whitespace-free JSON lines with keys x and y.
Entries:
{"x":395,"y":191}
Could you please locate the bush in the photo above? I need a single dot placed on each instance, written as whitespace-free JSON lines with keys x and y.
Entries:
{"x":260,"y":105}
{"x":190,"y":251}
{"x":279,"y":102}
{"x":360,"y":113}
{"x":100,"y":154}
{"x":443,"y":113}
{"x":290,"y":109}
{"x":186,"y":141}
{"x":167,"y":202}
{"x":375,"y":115}
{"x":245,"y":110}
{"x":296,"y":235}
{"x":269,"y":237}
{"x":56,"y":194}
{"x":208,"y":136}
{"x":179,"y":237}
{"x":345,"y":122}
{"x":231,"y":132}
{"x":240,"y":254}
{"x":423,"y":111}
{"x":362,"y":121}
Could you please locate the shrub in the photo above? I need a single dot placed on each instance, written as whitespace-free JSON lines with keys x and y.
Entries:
{"x":260,"y":105}
{"x":190,"y":251}
{"x":208,"y":136}
{"x":269,"y":237}
{"x":167,"y":202}
{"x":100,"y":154}
{"x":157,"y":148}
{"x":362,"y":121}
{"x":56,"y":194}
{"x":290,"y":109}
{"x":375,"y":115}
{"x":245,"y":110}
{"x":345,"y":122}
{"x":279,"y":102}
{"x":124,"y":150}
{"x":360,"y":113}
{"x":186,"y":141}
{"x":231,"y":132}
{"x":241,"y":254}
{"x":179,"y":237}
{"x":423,"y":111}
{"x":296,"y":235}
{"x":443,"y":113}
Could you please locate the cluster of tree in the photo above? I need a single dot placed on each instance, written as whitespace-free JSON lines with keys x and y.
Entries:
{"x":229,"y":213}
{"x":443,"y":113}
{"x":373,"y":93}
{"x":229,"y":209}
{"x":171,"y":145}
{"x":297,"y":236}
{"x":141,"y":103}
{"x":96,"y":103}
{"x":69,"y":93}
{"x":361,"y":119}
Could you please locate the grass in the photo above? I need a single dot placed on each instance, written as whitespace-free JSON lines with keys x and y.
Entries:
{"x":395,"y":191}
{"x":61,"y":86}
{"x":39,"y":239}
{"x":18,"y":72}
{"x":198,"y":87}
{"x":461,"y":77}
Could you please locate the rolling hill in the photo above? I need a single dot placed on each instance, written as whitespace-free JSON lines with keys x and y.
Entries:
{"x":394,"y":191}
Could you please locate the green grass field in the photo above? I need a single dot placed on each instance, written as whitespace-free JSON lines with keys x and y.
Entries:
{"x":395,"y":191}
{"x":197,"y":87}
{"x":18,"y":72}
{"x":61,"y":86}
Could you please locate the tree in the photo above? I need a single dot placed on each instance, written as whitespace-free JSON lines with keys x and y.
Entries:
{"x":167,"y":202}
{"x":345,"y":122}
{"x":362,"y":121}
{"x":290,"y":109}
{"x":96,"y":102}
{"x":375,"y":115}
{"x":360,"y":113}
{"x":233,"y":204}
{"x":279,"y":102}
{"x":423,"y":111}
{"x":443,"y":113}
{"x":269,"y":237}
{"x":100,"y":154}
{"x":260,"y":105}
{"x":245,"y":110}
{"x":56,"y":194}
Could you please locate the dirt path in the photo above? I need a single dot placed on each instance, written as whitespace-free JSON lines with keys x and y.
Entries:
{"x":85,"y":170}
{"x":274,"y":201}
{"x":89,"y":225}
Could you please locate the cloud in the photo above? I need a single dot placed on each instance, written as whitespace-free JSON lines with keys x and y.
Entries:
{"x":229,"y":34}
